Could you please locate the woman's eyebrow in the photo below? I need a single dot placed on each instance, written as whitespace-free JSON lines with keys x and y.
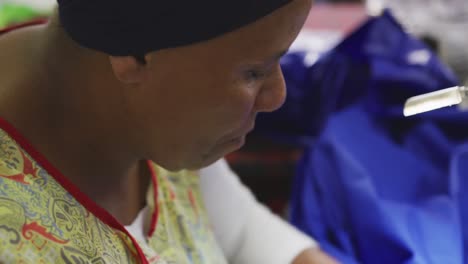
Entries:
{"x":278,"y":55}
{"x":270,"y":59}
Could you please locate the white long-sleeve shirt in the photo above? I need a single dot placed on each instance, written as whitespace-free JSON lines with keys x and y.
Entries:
{"x":246,"y":230}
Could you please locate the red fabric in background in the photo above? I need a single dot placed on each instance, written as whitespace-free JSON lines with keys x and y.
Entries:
{"x":337,"y":17}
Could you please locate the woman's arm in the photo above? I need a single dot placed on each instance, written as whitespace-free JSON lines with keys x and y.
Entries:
{"x":246,"y":230}
{"x":313,"y":256}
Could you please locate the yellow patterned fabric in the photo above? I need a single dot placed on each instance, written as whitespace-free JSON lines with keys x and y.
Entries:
{"x":183,"y":234}
{"x":42,"y":222}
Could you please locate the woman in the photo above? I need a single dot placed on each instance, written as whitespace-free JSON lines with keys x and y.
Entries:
{"x":110,"y":95}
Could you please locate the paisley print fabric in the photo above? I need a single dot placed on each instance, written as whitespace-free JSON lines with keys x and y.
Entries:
{"x":40,"y":222}
{"x":182,"y":233}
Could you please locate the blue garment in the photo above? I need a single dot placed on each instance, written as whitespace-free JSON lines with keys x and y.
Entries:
{"x":365,"y":195}
{"x":374,"y":186}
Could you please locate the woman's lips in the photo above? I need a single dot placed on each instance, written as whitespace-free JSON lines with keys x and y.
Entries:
{"x":244,"y":132}
{"x":237,"y":142}
{"x":239,"y":138}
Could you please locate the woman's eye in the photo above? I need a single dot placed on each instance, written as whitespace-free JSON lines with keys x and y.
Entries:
{"x":254,"y":75}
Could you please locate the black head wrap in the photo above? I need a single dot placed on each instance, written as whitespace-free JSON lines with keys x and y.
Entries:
{"x":135,"y":27}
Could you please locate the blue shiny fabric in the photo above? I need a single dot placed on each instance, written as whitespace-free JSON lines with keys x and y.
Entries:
{"x":373,"y":186}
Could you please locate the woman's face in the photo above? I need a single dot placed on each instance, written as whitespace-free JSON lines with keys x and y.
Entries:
{"x":201,"y":100}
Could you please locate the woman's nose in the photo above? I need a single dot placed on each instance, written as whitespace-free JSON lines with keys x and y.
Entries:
{"x":272,"y":94}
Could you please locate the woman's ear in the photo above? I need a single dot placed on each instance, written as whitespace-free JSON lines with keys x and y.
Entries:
{"x":128,"y":69}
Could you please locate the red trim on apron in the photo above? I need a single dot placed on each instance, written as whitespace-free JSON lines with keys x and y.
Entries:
{"x":22,"y":25}
{"x":154,"y":217}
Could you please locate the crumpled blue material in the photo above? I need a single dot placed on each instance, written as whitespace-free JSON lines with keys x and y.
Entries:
{"x":373,"y":186}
